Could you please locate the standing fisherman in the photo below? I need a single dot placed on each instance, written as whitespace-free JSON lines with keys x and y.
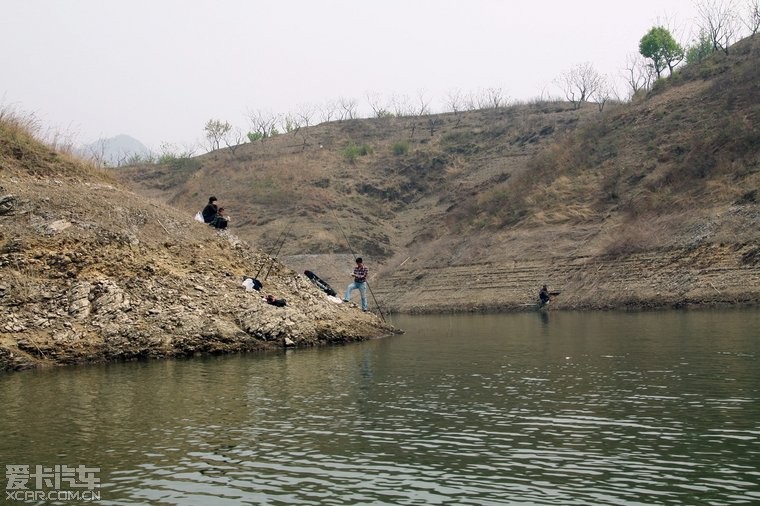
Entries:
{"x":360,"y":283}
{"x":543,"y":296}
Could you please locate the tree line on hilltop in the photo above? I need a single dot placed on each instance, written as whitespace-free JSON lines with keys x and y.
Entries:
{"x":720,"y":23}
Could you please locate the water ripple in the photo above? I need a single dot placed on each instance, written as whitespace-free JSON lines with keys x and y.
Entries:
{"x":570,"y":417}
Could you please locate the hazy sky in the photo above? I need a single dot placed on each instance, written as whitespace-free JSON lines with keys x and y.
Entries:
{"x":159,"y":69}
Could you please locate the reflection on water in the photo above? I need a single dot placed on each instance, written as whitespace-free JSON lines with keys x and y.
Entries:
{"x":533,"y":408}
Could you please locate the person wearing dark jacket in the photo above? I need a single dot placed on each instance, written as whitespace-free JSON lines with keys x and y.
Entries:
{"x":543,"y":296}
{"x":212,"y":216}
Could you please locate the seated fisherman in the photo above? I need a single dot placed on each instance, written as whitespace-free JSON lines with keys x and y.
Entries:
{"x":212,"y":216}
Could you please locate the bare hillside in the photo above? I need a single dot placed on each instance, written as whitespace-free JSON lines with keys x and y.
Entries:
{"x":647,"y":204}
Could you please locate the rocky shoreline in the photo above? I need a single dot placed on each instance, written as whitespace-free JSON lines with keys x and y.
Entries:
{"x":142,"y":281}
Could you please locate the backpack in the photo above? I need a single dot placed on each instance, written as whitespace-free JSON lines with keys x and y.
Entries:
{"x":251,"y":283}
{"x":276,"y":302}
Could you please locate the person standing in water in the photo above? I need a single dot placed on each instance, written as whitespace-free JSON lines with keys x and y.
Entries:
{"x":543,"y":296}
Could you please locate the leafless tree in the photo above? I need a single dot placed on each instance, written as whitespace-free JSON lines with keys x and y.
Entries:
{"x":433,"y":123}
{"x":481,"y":99}
{"x":580,"y":83}
{"x":170,"y":151}
{"x":305,"y":113}
{"x":455,"y":104}
{"x":472,"y":101}
{"x":423,"y":104}
{"x":377,"y":104}
{"x":719,"y":20}
{"x":604,"y":92}
{"x":234,"y":139}
{"x":60,"y":140}
{"x":486,"y":98}
{"x":97,"y":154}
{"x":120,"y":159}
{"x":638,"y":74}
{"x":347,"y":108}
{"x":400,"y":104}
{"x":414,"y":113}
{"x":494,"y":98}
{"x":290,"y":123}
{"x":544,"y":96}
{"x":263,"y":123}
{"x":412,"y":125}
{"x":328,"y":111}
{"x":124,"y":158}
{"x":677,"y":30}
{"x":455,"y":101}
{"x":752,"y":18}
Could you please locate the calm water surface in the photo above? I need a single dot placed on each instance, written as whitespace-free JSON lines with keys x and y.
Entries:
{"x":533,"y":408}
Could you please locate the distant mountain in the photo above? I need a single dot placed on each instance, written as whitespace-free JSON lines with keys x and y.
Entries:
{"x":116,"y":151}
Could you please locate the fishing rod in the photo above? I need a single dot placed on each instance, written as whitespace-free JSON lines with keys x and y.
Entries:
{"x":283,"y":235}
{"x":269,"y":253}
{"x":351,"y":250}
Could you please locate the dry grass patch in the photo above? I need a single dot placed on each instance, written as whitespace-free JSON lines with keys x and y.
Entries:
{"x":564,"y":200}
{"x":631,"y":238}
{"x":25,"y":147}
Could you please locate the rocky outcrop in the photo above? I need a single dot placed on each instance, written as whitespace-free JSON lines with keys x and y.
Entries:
{"x":62,"y":321}
{"x":138,"y":280}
